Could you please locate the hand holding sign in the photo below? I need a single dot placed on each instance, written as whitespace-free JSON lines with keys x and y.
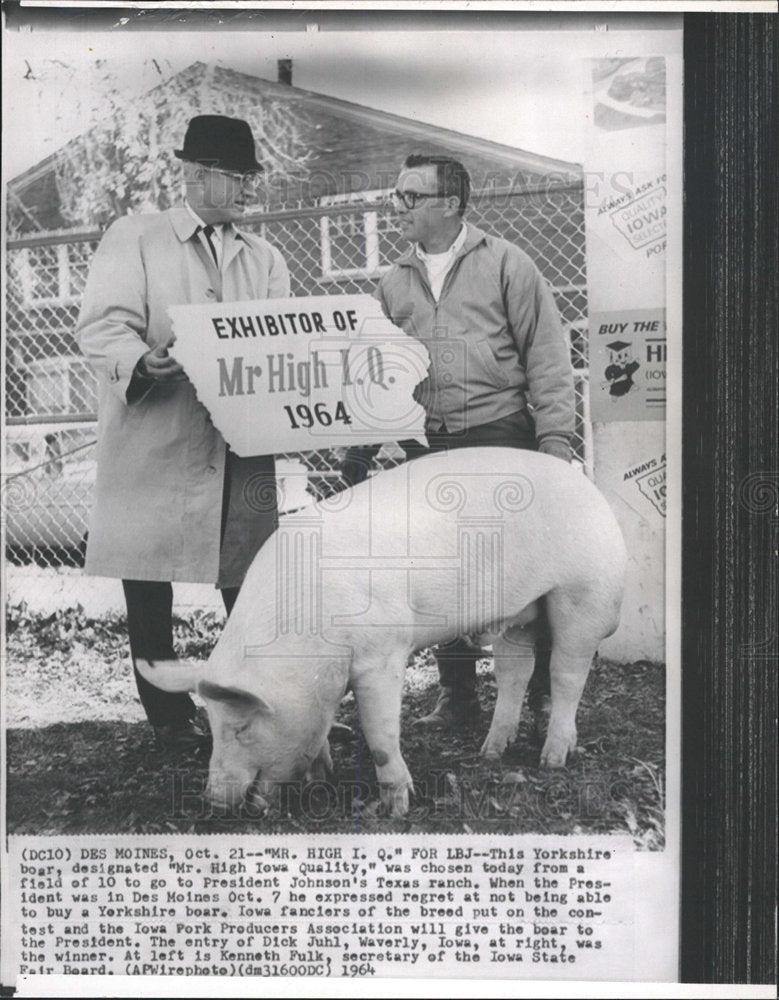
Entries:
{"x":158,"y":365}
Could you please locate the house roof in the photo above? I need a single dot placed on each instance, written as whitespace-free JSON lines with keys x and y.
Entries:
{"x":423,"y":132}
{"x":349,"y":147}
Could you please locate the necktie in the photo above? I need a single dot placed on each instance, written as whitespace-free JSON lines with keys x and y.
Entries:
{"x":208,"y":232}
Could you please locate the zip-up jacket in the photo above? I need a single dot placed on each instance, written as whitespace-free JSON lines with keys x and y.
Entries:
{"x":494,"y":337}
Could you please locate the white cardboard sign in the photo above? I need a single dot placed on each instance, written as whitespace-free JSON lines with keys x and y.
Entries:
{"x":298,"y":374}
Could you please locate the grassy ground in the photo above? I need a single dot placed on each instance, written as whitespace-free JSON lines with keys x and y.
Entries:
{"x":82,"y":760}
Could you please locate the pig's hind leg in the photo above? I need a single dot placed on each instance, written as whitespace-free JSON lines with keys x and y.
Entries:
{"x":513,"y":656}
{"x":378,"y":688}
{"x":568,"y":676}
{"x":577,"y":623}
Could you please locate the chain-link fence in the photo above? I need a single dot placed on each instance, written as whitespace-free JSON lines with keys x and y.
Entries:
{"x":336,"y":248}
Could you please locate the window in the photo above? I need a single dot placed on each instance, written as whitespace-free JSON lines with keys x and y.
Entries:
{"x":52,"y":275}
{"x":355,"y":243}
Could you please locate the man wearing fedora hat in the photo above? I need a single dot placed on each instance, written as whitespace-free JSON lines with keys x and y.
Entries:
{"x":171,"y":502}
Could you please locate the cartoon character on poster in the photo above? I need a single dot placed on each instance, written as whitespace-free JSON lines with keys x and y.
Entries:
{"x":620,"y":370}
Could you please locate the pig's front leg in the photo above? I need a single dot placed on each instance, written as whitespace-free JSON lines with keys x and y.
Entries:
{"x":322,"y":765}
{"x":378,"y":687}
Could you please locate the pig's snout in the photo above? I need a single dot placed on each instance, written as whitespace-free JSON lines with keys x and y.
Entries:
{"x":229,"y":795}
{"x":224,"y":798}
{"x":225,"y":793}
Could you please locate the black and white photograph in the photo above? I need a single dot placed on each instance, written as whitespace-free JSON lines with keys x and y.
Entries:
{"x":341,"y":541}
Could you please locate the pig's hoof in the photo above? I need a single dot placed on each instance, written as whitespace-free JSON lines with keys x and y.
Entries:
{"x":254,"y":805}
{"x":318,"y":771}
{"x":394,"y":800}
{"x":555,"y":752}
{"x":322,"y":766}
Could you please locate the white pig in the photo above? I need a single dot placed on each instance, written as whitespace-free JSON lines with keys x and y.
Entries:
{"x":450,"y":544}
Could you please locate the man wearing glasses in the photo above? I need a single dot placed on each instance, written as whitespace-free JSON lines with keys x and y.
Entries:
{"x":497,"y":350}
{"x":171,"y":502}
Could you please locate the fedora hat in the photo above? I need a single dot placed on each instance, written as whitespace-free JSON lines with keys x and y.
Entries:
{"x":217,"y":141}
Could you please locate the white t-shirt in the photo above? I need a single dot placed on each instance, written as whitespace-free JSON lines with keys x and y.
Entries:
{"x":437,"y":264}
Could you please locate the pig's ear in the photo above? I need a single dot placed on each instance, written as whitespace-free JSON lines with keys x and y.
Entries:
{"x":235,"y":698}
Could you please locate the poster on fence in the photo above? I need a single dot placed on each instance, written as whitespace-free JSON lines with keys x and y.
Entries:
{"x":354,"y":767}
{"x":291,"y":375}
{"x":628,"y":365}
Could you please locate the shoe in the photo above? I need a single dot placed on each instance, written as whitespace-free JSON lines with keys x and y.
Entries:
{"x":457,"y":705}
{"x":182,"y":737}
{"x":339,"y":733}
{"x":451,"y":711}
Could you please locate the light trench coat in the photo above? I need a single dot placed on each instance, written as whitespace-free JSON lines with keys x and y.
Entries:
{"x":160,"y":460}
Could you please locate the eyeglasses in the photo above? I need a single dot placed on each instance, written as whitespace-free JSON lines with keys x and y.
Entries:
{"x":409,"y":199}
{"x":252,"y":181}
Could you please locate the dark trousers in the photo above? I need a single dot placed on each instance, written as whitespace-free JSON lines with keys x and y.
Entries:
{"x":513,"y":431}
{"x":150,"y":629}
